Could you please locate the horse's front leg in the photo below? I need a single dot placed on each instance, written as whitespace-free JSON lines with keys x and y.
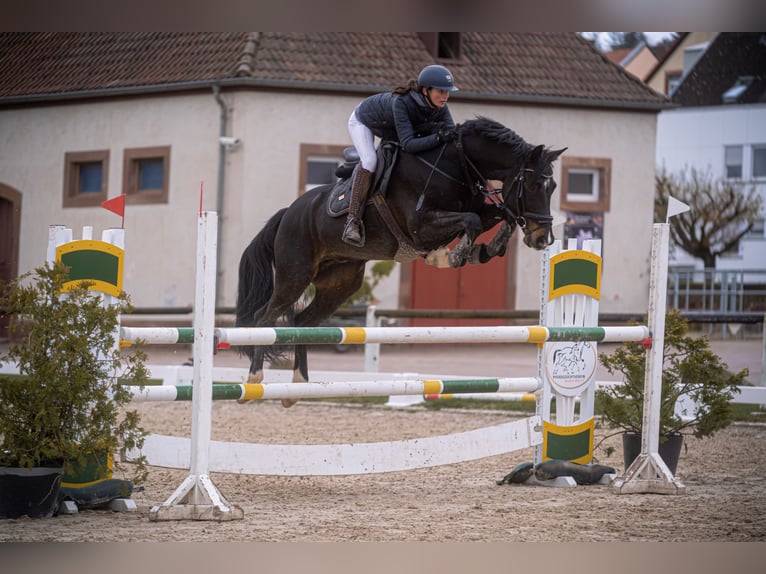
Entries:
{"x":439,"y":227}
{"x":483,"y":252}
{"x":458,"y":256}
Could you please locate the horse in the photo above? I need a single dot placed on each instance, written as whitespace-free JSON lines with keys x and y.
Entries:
{"x":431,"y":198}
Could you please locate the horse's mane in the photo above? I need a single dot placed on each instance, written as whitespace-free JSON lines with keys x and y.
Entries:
{"x":496,"y":131}
{"x":493,"y":130}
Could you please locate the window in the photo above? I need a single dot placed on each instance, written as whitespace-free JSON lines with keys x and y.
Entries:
{"x":585,"y":184}
{"x":318,"y":163}
{"x":733,"y":94}
{"x":759,"y":161}
{"x":449,"y":45}
{"x":692,"y":54}
{"x":85,"y":178}
{"x":145,"y":175}
{"x":733,"y":161}
{"x":672,"y":80}
{"x":758,"y":229}
{"x":320,"y":171}
{"x":442,"y":45}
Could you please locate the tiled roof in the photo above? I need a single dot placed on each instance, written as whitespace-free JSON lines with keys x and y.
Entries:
{"x":551,"y":66}
{"x":730,"y":56}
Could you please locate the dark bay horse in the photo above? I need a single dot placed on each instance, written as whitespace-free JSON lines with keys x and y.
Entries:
{"x":432,"y":198}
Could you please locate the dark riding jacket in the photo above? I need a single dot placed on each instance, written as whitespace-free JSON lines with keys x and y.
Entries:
{"x":406,"y":118}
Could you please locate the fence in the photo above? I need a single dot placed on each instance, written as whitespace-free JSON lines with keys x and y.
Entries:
{"x":719,"y":292}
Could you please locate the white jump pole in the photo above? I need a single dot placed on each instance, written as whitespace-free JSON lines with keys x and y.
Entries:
{"x":648,"y":473}
{"x":197,"y":498}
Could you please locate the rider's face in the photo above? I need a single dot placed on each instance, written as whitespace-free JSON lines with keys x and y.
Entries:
{"x":438,"y":97}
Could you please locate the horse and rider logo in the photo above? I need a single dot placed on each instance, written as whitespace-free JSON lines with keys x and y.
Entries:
{"x":570,"y":366}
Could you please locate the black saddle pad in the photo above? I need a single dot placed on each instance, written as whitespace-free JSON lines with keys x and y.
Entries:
{"x":340,"y":196}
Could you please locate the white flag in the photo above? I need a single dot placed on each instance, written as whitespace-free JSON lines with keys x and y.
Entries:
{"x":675,"y":207}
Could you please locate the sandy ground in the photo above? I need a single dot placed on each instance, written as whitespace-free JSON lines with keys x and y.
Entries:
{"x":724,"y":475}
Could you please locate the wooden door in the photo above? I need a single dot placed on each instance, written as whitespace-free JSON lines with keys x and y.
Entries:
{"x":470,"y":287}
{"x":10,"y":216}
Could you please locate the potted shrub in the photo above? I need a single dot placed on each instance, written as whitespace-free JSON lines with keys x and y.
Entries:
{"x":66,"y":407}
{"x":689,"y":368}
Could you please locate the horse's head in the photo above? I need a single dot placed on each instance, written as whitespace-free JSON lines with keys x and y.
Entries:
{"x":526,"y":172}
{"x":527,"y":197}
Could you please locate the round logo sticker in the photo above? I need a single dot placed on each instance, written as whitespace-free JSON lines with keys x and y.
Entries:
{"x":570,"y":366}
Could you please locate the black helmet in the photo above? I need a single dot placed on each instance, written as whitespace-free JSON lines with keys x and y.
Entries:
{"x":437,"y":77}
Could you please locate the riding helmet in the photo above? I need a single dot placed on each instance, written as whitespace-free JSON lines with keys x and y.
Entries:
{"x":437,"y":77}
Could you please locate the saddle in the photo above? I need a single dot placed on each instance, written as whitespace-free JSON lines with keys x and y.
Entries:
{"x":340,"y":196}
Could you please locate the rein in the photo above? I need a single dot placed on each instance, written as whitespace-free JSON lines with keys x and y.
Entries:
{"x":477,"y":183}
{"x":434,"y":169}
{"x":521,"y":215}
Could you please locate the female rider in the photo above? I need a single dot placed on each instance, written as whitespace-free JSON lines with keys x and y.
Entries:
{"x":415,"y":115}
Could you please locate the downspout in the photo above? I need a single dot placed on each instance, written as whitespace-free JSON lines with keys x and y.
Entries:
{"x":219,"y":194}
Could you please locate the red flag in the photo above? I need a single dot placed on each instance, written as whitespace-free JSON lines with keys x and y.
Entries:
{"x":115,"y":205}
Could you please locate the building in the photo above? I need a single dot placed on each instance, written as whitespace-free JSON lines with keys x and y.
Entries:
{"x":718,"y":83}
{"x":639,"y":61}
{"x":86,"y":117}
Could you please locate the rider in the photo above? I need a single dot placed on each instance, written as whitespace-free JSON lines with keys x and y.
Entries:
{"x":415,"y":115}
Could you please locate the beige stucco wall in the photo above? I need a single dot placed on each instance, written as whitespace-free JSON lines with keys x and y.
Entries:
{"x":643,"y":63}
{"x":262,"y":176}
{"x":160,"y":239}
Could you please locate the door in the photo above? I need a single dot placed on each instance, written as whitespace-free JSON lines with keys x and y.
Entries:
{"x":470,"y":287}
{"x":10,"y":218}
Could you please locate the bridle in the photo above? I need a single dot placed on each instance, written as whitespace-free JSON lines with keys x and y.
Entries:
{"x":521,"y":214}
{"x":516,"y":215}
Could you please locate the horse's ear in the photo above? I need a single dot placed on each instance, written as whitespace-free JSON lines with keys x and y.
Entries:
{"x":555,"y":154}
{"x":537,"y":153}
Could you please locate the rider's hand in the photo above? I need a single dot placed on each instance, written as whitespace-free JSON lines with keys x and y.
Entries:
{"x":446,"y":135}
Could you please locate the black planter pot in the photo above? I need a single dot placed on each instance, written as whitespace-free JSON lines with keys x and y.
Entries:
{"x":670,"y":449}
{"x":33,"y":492}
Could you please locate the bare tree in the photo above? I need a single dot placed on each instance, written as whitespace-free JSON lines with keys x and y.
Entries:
{"x":722,"y":211}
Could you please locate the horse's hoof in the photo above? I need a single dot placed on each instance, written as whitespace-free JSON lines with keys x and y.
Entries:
{"x":474,"y":258}
{"x":287,"y":403}
{"x":438,"y":258}
{"x":456,"y":259}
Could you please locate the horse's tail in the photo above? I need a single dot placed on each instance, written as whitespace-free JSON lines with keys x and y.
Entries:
{"x":256,"y":274}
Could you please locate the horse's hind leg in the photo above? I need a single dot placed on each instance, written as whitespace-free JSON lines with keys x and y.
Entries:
{"x":300,"y":371}
{"x":279,"y":305}
{"x":334,"y":283}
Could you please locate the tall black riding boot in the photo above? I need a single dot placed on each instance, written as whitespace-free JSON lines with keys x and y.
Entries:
{"x":353,"y":232}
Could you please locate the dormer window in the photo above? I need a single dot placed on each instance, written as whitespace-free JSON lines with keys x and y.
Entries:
{"x":733,"y":94}
{"x":442,"y":45}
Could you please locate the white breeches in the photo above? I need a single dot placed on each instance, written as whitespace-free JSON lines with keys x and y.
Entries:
{"x":364,"y":142}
